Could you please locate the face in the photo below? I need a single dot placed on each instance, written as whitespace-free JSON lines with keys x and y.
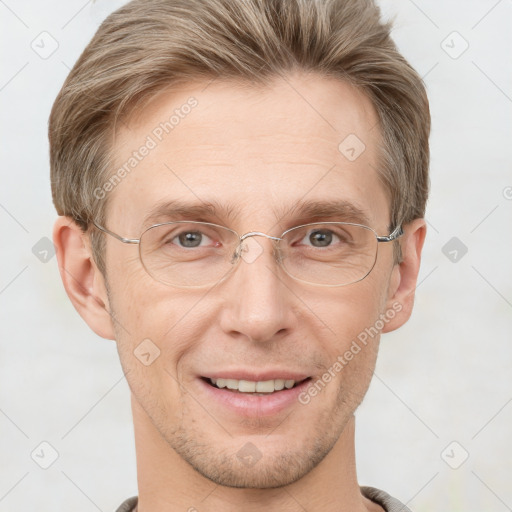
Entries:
{"x":255,"y":153}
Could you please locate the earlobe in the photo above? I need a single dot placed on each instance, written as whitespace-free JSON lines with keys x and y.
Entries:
{"x":405,"y":275}
{"x":82,"y":280}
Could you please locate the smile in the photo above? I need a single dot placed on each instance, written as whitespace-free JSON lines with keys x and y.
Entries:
{"x":252,"y":398}
{"x":254,"y":387}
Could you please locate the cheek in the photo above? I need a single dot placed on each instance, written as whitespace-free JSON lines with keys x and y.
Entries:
{"x":152,"y":338}
{"x":351,"y":343}
{"x":155,"y":319}
{"x":353,"y":352}
{"x":350,"y":310}
{"x":135,"y":296}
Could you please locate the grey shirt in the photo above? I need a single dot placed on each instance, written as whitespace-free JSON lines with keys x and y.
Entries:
{"x":387,"y":502}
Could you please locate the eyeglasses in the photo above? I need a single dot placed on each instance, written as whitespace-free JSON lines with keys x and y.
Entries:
{"x":192,"y":254}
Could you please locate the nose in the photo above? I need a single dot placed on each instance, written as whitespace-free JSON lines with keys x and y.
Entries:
{"x":258,"y":302}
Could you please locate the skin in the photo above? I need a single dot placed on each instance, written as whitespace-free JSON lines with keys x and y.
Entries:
{"x":257,"y":149}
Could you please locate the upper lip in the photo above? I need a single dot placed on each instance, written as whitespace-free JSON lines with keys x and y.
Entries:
{"x":256,"y":376}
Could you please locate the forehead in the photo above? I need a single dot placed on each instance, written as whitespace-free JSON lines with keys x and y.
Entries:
{"x":252,"y":151}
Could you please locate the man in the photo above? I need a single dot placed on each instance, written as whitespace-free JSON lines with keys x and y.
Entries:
{"x":241,"y":188}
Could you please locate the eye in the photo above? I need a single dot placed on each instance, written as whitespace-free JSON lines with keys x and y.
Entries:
{"x":190,"y":239}
{"x":320,"y":237}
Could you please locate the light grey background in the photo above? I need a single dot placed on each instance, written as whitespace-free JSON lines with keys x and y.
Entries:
{"x":442,"y":387}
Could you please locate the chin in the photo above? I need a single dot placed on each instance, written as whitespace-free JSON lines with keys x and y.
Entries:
{"x":252,"y":464}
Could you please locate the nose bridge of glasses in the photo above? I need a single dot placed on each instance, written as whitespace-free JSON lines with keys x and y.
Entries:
{"x":257,"y":233}
{"x":249,"y":255}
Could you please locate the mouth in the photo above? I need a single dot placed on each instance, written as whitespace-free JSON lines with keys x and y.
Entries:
{"x":245,"y":398}
{"x":254,"y":388}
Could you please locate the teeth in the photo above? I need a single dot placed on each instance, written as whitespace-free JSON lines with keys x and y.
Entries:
{"x":266,"y":386}
{"x":289,"y":384}
{"x":278,"y":384}
{"x":231,"y":384}
{"x":248,"y":386}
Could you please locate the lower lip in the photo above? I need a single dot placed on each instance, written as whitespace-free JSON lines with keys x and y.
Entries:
{"x":245,"y":404}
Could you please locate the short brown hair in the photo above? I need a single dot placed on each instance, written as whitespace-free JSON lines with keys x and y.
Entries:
{"x":150,"y":45}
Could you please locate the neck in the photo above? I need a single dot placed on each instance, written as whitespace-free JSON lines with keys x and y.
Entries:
{"x":167,"y":483}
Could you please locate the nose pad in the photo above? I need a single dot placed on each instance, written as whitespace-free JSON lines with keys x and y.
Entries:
{"x":277,"y":253}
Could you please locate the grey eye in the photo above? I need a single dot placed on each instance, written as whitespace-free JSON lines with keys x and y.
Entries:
{"x":190,"y":238}
{"x":321,"y":238}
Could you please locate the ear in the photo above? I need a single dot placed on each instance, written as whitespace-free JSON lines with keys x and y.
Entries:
{"x":82,"y":279}
{"x":404,"y":276}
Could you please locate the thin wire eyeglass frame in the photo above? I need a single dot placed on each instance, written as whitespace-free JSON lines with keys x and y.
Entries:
{"x":394,"y":235}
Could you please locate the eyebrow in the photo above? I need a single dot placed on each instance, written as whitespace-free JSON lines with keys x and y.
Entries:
{"x":301,"y":211}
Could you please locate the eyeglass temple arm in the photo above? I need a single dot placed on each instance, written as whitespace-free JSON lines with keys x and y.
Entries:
{"x":397,"y":232}
{"x":120,"y":238}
